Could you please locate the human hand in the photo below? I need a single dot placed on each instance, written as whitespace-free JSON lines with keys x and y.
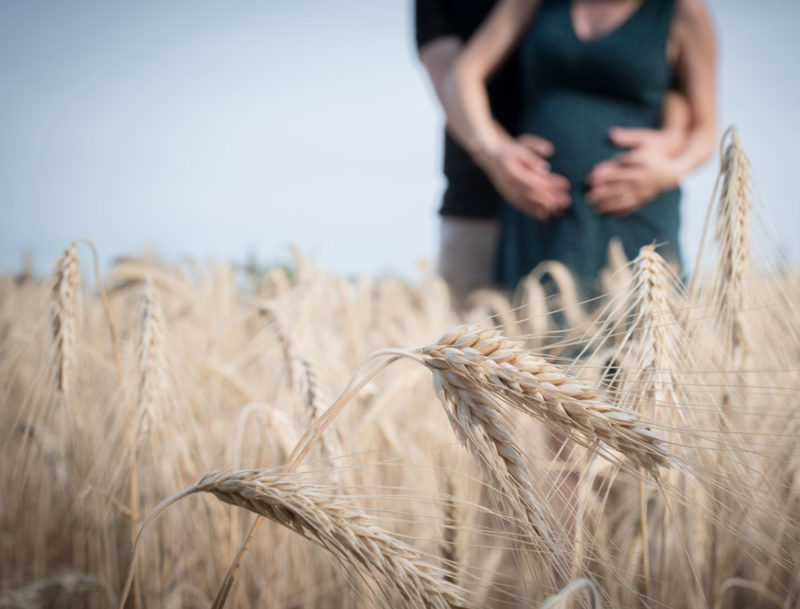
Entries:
{"x":665,"y":140}
{"x":630,"y":180}
{"x":519,"y":171}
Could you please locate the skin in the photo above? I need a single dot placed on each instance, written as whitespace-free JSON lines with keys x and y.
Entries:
{"x":656,"y":160}
{"x":523,"y":174}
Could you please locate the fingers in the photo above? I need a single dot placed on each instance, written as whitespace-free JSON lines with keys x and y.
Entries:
{"x":531,"y":159}
{"x":602,"y":172}
{"x":613,"y":198}
{"x":537,"y":145}
{"x":541,"y":168}
{"x":548,"y":189}
{"x":540,"y":196}
{"x":609,"y":172}
{"x":523,"y":177}
{"x":552,"y":181}
{"x":631,"y":138}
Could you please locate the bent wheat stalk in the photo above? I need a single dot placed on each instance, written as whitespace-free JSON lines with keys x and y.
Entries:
{"x":486,"y":434}
{"x":473,"y":370}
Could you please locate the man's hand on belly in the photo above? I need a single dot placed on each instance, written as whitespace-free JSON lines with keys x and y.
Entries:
{"x":627,"y":182}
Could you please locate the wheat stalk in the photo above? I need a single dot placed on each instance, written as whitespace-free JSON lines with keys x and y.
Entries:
{"x":566,"y":287}
{"x":658,"y":351}
{"x":491,"y":303}
{"x":448,"y":547}
{"x":616,"y":275}
{"x":533,"y":311}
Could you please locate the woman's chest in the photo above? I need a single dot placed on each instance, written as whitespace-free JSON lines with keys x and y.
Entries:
{"x":625,"y":57}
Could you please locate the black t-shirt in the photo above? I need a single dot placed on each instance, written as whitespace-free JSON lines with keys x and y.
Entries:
{"x":469,"y":192}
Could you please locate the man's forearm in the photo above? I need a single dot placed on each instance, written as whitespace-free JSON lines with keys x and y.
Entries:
{"x":469,"y":116}
{"x":440,"y":58}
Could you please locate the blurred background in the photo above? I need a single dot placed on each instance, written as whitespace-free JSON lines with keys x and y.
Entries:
{"x":230,"y":131}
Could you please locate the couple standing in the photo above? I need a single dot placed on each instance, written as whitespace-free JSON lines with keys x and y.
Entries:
{"x":569,"y":123}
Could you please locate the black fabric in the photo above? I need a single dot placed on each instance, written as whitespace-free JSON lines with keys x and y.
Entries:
{"x":431,"y":21}
{"x":469,"y":193}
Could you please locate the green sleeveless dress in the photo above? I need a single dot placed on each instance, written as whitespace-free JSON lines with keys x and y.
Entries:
{"x":573,"y":92}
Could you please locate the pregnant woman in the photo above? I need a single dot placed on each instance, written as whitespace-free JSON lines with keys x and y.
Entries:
{"x":588,"y":165}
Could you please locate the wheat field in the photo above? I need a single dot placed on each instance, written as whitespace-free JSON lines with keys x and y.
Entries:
{"x":195,"y":436}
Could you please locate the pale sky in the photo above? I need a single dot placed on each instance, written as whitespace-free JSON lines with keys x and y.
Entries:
{"x":216,"y":130}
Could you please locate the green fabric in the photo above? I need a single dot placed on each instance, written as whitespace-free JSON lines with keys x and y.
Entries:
{"x":573,"y":92}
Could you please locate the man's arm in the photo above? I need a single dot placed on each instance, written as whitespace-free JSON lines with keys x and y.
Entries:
{"x":463,"y":90}
{"x":438,"y":43}
{"x":675,"y":121}
{"x":696,"y":74}
{"x":439,"y":56}
{"x":459,"y":73}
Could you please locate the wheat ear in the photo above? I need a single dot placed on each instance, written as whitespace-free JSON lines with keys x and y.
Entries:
{"x":485,"y":432}
{"x":658,"y":354}
{"x":152,"y":362}
{"x":66,"y":310}
{"x":480,"y":363}
{"x":313,"y":401}
{"x":349,"y":534}
{"x":734,"y":240}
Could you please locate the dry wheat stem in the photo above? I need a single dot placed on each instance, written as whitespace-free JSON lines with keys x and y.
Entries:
{"x":448,"y":548}
{"x":313,"y":399}
{"x":567,"y":288}
{"x":149,"y":520}
{"x":731,"y":285}
{"x":152,"y":382}
{"x":112,"y":324}
{"x":357,"y":381}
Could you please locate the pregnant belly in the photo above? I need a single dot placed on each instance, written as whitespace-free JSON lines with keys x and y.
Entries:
{"x":577,"y":124}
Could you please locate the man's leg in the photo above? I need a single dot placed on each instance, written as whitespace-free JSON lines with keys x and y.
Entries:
{"x":467,"y":254}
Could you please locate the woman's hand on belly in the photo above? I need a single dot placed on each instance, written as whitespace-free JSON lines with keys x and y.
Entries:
{"x":519,"y":170}
{"x":627,"y":182}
